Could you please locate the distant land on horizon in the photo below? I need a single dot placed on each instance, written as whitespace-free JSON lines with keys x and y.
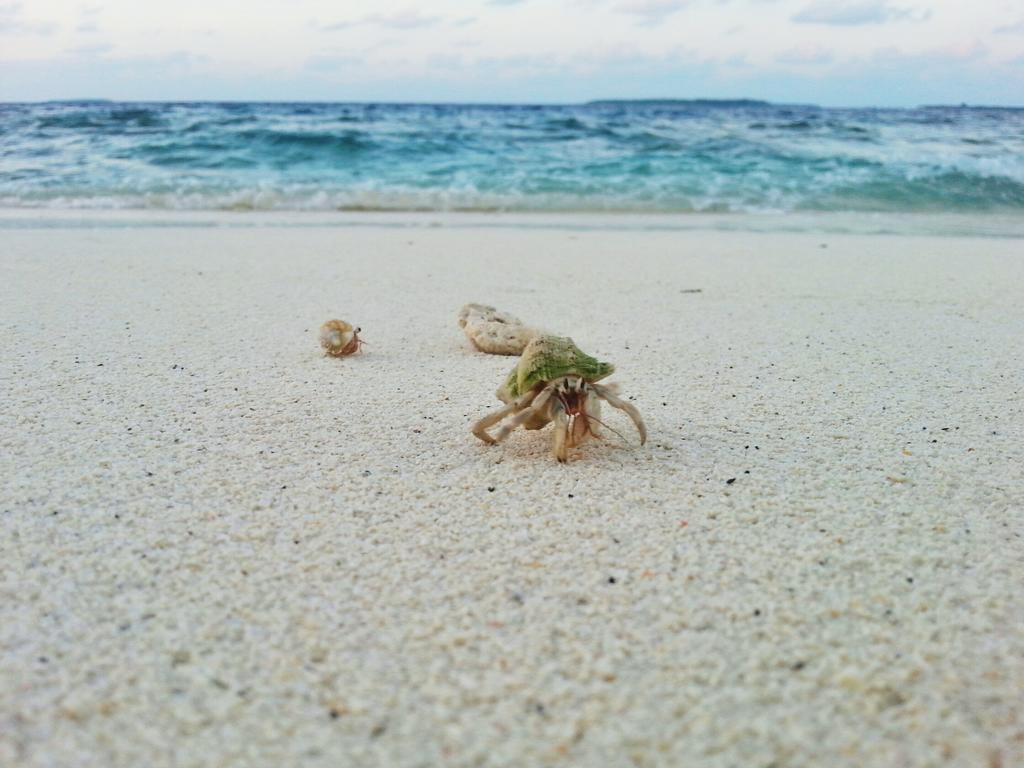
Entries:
{"x":759,"y":103}
{"x":685,"y":103}
{"x":614,"y":102}
{"x":591,"y":103}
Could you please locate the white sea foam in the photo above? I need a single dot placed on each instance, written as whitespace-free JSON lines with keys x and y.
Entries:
{"x":696,"y":158}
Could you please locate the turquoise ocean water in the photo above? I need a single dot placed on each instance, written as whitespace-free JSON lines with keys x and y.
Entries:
{"x":610,"y":156}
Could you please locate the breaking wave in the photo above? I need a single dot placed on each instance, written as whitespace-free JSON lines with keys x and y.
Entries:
{"x":657,"y":157}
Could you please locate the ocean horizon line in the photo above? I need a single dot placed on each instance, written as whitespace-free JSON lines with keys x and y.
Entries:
{"x":697,"y":102}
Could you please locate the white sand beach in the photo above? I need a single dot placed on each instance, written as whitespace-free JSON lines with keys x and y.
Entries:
{"x":222,"y":548}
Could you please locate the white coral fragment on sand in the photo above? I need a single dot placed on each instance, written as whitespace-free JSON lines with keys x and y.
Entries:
{"x":493,"y":331}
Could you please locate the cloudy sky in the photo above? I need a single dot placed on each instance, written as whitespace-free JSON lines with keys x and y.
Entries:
{"x":833,"y":52}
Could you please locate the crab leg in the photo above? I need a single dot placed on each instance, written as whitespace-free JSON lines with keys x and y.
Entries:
{"x":606,"y":394}
{"x":526,"y":414}
{"x":560,"y":447}
{"x":480,"y":428}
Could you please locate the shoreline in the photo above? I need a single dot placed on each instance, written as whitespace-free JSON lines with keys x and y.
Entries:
{"x":994,"y":225}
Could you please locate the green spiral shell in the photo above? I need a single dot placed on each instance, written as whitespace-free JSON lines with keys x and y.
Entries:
{"x":547,"y":358}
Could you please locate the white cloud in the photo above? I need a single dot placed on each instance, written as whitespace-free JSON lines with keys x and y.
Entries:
{"x":1012,"y":29}
{"x":92,"y":49}
{"x":854,"y":13}
{"x":628,"y":47}
{"x":13,"y":23}
{"x":88,"y":18}
{"x":652,"y":11}
{"x":405,"y":19}
{"x":805,"y":55}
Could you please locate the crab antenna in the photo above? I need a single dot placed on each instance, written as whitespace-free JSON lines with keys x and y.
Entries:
{"x":610,"y":429}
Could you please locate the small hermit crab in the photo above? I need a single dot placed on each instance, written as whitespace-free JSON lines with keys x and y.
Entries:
{"x":339,"y":338}
{"x":555,"y":381}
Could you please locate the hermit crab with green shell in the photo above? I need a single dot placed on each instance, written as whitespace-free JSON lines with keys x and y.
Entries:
{"x":556,"y":382}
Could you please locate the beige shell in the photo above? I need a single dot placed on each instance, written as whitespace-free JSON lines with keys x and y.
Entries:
{"x":339,"y":338}
{"x":493,"y":331}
